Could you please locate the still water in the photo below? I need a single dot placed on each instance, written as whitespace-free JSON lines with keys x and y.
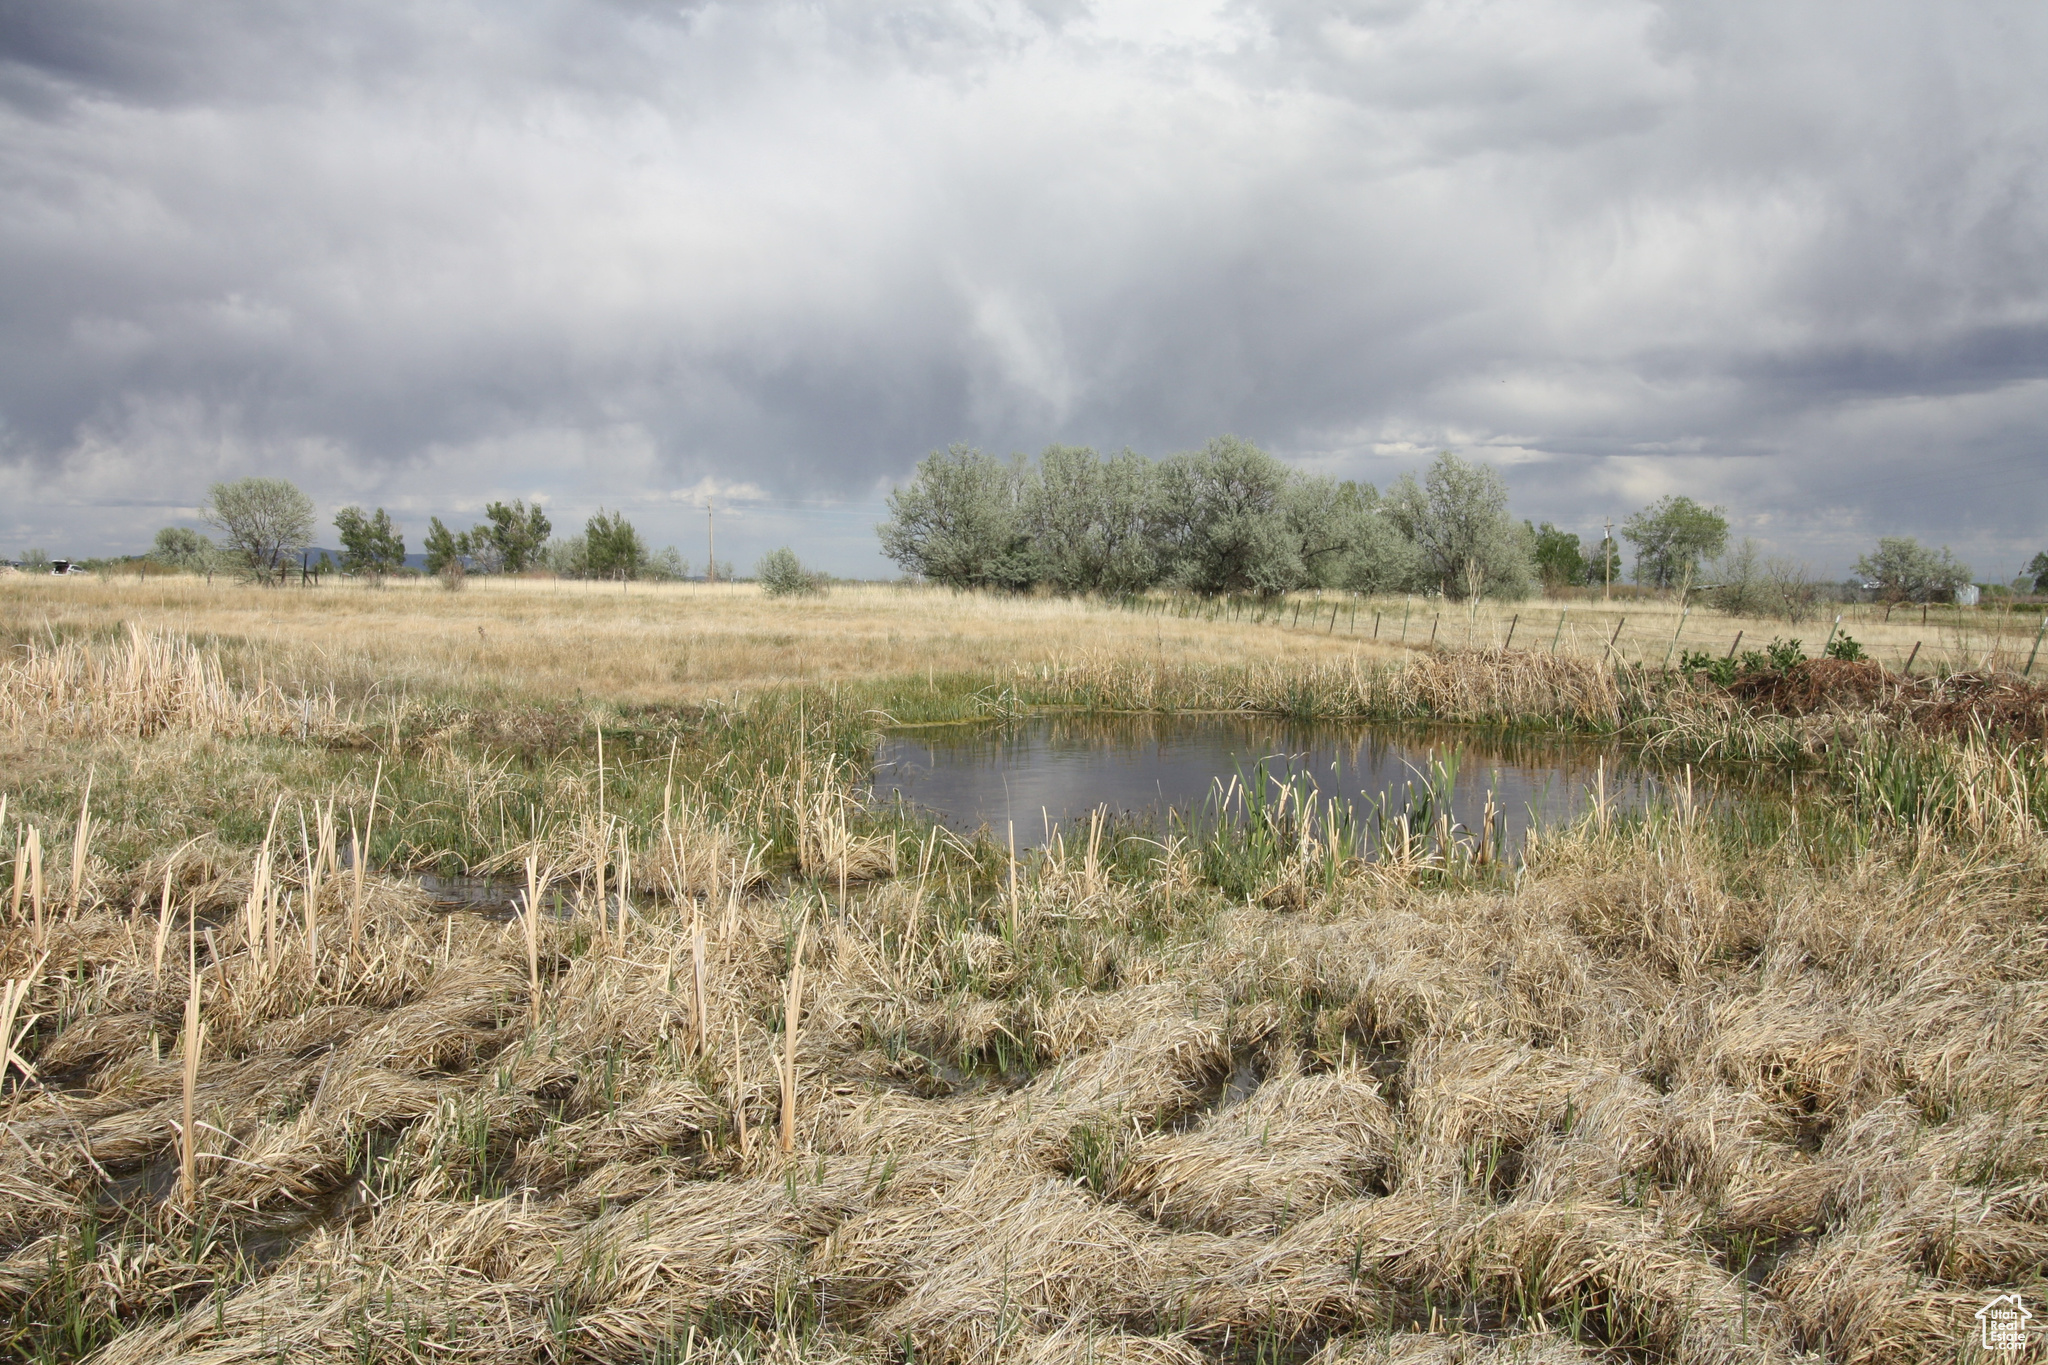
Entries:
{"x":1045,"y":772}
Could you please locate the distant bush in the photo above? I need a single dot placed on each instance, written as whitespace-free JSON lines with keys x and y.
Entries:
{"x":782,"y":574}
{"x":183,"y":550}
{"x":265,"y":523}
{"x":1904,"y":570}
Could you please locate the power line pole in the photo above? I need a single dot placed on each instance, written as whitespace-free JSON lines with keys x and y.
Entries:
{"x":1607,"y":558}
{"x":710,"y":546}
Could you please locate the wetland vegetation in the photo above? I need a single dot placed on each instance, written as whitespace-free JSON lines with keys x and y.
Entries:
{"x":756,"y":1069}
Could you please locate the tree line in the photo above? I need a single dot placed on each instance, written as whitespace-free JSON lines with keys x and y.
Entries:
{"x":266,"y":528}
{"x":1226,"y":519}
{"x":1230,"y":519}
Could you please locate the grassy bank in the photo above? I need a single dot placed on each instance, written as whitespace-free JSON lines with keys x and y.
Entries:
{"x":824,"y":1085}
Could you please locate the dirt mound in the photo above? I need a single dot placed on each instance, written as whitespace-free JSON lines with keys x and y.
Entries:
{"x":2002,"y":705}
{"x":1956,"y":705}
{"x":1817,"y":684}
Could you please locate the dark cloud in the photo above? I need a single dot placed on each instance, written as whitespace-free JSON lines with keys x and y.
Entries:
{"x":1787,"y":258}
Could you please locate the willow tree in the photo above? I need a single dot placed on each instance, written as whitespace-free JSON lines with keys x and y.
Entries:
{"x":264,"y":523}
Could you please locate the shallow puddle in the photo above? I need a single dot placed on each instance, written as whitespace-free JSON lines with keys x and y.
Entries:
{"x":1049,"y":772}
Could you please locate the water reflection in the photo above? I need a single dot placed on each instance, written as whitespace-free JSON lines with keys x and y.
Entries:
{"x":1050,"y":771}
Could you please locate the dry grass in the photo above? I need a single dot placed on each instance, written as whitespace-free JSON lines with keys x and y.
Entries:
{"x":548,"y":639}
{"x":1673,"y":1090}
{"x":1648,"y":1102}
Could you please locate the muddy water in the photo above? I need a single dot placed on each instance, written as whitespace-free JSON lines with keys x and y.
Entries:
{"x":1046,"y":772}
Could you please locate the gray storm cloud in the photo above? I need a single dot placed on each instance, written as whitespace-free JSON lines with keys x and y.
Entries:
{"x":1787,"y":258}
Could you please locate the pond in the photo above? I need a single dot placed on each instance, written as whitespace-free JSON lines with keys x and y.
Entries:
{"x":1049,"y":772}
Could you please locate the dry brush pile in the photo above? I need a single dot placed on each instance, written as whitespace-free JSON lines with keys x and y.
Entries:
{"x":1660,"y":1094}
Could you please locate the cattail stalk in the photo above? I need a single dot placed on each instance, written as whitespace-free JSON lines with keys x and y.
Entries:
{"x":194,"y":1040}
{"x":313,"y":870}
{"x":625,"y":883}
{"x":700,"y":1003}
{"x":20,"y":875}
{"x":163,"y":919}
{"x":361,"y":851}
{"x":1016,"y":905}
{"x":81,"y":842}
{"x":739,"y":1092}
{"x":536,"y":885}
{"x":792,"y":1007}
{"x":35,"y":880}
{"x":13,"y":1028}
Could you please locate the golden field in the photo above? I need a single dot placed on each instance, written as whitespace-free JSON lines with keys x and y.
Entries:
{"x":652,"y":643}
{"x":772,"y":1076}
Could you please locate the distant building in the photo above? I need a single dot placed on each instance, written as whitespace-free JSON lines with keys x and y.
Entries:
{"x":1966,"y":596}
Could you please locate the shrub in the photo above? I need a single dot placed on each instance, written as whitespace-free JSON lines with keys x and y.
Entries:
{"x":1779,"y":656}
{"x":178,"y":547}
{"x":782,"y":574}
{"x":1846,"y":649}
{"x":1716,"y":668}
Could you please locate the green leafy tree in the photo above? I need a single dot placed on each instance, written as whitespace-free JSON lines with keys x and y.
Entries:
{"x":1560,"y":563}
{"x":35,"y":561}
{"x":513,"y":535}
{"x":1379,"y":558}
{"x":265,"y":523}
{"x":1091,"y":524}
{"x":371,"y":546}
{"x":1904,"y":570}
{"x":445,"y":549}
{"x":1672,"y":536}
{"x":668,"y":565}
{"x":960,"y":523}
{"x":782,"y":574}
{"x":2038,"y":571}
{"x":613,"y":549}
{"x":181,"y":548}
{"x":1326,"y":519}
{"x":1465,"y":541}
{"x":1226,"y":521}
{"x":568,"y":556}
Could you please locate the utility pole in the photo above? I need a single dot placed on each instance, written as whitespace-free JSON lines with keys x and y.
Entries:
{"x":710,"y":546}
{"x":1607,"y":558}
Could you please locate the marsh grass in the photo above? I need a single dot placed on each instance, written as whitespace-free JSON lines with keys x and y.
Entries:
{"x":1672,"y":1084}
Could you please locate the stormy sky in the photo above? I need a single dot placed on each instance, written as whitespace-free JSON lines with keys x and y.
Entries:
{"x":1786,"y":258}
